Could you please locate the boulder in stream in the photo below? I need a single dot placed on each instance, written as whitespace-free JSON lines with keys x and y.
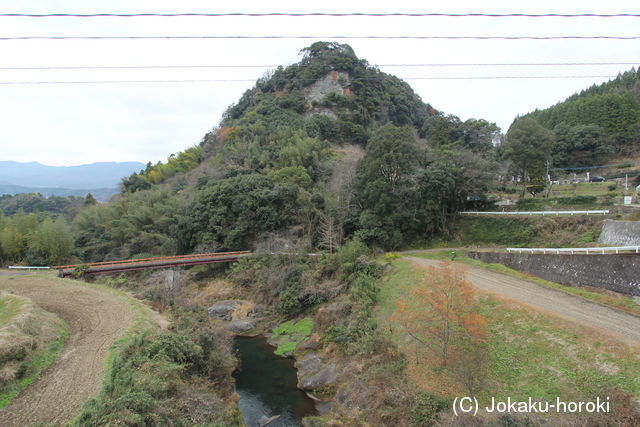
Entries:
{"x":239,"y":326}
{"x":313,"y":372}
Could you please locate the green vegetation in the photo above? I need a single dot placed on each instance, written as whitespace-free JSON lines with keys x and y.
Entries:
{"x":36,"y":202}
{"x":449,"y":131}
{"x":610,"y":110}
{"x":155,"y":376}
{"x":291,"y":334}
{"x":275,"y":168}
{"x":538,"y":231}
{"x":528,"y":146}
{"x":34,"y":239}
{"x":580,"y":145}
{"x":160,"y":172}
{"x":30,"y":340}
{"x":530,"y":354}
{"x":9,"y":307}
{"x":402,"y":198}
{"x":31,"y":367}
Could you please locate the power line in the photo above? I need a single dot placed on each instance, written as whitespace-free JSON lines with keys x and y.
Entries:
{"x":337,"y":37}
{"x":322,"y":14}
{"x":282,"y":80}
{"x":133,"y":67}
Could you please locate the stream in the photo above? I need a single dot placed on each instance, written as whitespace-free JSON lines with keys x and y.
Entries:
{"x":267,"y":385}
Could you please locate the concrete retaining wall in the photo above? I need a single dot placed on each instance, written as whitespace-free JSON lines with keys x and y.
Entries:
{"x":620,"y":233}
{"x":620,"y":273}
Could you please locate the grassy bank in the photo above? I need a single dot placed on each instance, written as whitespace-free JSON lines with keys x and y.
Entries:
{"x":175,"y":376}
{"x":530,"y":354}
{"x":606,"y":298}
{"x":545,"y":231}
{"x":32,"y":339}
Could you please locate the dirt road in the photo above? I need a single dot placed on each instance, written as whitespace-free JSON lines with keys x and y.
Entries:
{"x":612,"y":322}
{"x":96,"y":318}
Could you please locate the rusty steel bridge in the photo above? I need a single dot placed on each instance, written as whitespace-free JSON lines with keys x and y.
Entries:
{"x":148,"y":263}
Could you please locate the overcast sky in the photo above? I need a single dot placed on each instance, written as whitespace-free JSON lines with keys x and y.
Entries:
{"x":74,"y":124}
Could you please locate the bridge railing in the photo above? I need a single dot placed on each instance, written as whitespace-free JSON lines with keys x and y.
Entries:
{"x":602,"y":250}
{"x":150,"y":263}
{"x":542,"y":213}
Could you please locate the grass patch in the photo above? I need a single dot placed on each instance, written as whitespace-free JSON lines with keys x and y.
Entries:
{"x":290,"y":334}
{"x":617,"y":301}
{"x":530,"y":353}
{"x":168,"y":377}
{"x":34,"y":364}
{"x":9,"y":307}
{"x":538,"y":231}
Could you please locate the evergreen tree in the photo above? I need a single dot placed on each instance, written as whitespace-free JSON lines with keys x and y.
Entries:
{"x":528,"y":145}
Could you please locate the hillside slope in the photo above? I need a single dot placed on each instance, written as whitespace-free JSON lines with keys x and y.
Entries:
{"x":600,"y":120}
{"x":314,"y":153}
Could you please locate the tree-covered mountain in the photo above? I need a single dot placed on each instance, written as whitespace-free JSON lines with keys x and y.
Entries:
{"x":315,"y":153}
{"x":595,"y":123}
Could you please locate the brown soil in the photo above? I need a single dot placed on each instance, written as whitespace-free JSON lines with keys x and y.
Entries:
{"x":96,"y":319}
{"x":606,"y":320}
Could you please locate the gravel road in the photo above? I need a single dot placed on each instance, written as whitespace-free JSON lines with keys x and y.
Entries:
{"x":607,"y":320}
{"x":96,"y":318}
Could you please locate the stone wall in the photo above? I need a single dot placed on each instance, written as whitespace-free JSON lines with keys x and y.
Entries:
{"x":620,"y":273}
{"x":620,"y":233}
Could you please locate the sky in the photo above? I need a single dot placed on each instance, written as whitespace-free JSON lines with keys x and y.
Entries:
{"x":70,"y":124}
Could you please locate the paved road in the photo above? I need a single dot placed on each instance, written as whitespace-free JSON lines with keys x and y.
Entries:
{"x":610,"y":321}
{"x":96,"y":318}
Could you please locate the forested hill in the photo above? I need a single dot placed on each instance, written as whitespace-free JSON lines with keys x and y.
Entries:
{"x":611,"y":110}
{"x":318,"y":152}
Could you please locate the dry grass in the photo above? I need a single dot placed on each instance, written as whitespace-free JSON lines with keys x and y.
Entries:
{"x":206,"y":293}
{"x":531,"y":353}
{"x":28,"y":329}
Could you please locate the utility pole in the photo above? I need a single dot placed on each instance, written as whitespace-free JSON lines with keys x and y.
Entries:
{"x":548,"y":183}
{"x":626,"y":199}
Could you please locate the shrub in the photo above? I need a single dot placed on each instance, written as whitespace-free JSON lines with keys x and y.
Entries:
{"x":425,"y":409}
{"x":148,"y":375}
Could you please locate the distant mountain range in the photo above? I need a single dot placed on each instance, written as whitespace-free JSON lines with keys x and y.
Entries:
{"x":101,"y":179}
{"x":101,"y":194}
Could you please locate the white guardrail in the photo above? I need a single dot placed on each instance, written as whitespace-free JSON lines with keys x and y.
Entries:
{"x":27,"y":267}
{"x":603,"y":250}
{"x":543,"y":213}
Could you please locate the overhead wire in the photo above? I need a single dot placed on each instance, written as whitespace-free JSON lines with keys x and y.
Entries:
{"x":61,"y":82}
{"x":322,"y":14}
{"x":186,"y":66}
{"x":328,"y":37}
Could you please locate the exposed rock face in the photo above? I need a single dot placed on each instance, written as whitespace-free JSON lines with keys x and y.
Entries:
{"x":223,"y":310}
{"x":333,"y":82}
{"x":239,"y":326}
{"x":313,"y":372}
{"x":257,"y":310}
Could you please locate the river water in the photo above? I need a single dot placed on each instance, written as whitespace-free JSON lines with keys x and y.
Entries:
{"x":267,"y":385}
